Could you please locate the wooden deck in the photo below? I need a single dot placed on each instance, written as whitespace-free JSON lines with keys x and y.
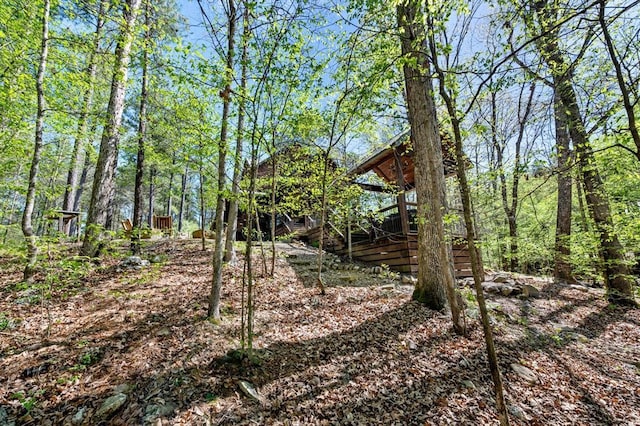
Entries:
{"x":399,"y":252}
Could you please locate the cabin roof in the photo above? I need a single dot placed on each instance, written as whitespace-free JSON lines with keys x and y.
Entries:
{"x":400,"y":150}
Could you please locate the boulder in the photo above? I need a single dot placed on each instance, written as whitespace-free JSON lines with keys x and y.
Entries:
{"x":578,"y":287}
{"x":506,"y":290}
{"x":501,"y":278}
{"x":154,"y":412}
{"x":517,"y":412}
{"x":78,"y":417}
{"x":469,"y":384}
{"x":525,"y":373}
{"x":491,"y":287}
{"x":111,"y":405}
{"x":248,"y":389}
{"x":529,"y":291}
{"x":4,"y":418}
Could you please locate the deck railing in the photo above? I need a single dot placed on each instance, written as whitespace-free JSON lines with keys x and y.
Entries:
{"x":388,"y":222}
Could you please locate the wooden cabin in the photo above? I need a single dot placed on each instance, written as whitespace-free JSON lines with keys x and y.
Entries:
{"x":391,"y":235}
{"x":292,"y":223}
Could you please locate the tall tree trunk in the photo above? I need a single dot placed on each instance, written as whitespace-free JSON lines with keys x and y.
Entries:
{"x":104,"y":177}
{"x":247,"y":324}
{"x":170,"y":190}
{"x":232,"y":218}
{"x":474,"y":254}
{"x":476,"y":264}
{"x":27,"y":226}
{"x":183,"y":196}
{"x":81,"y":131}
{"x":218,"y":251}
{"x":152,"y":196}
{"x":202,"y":209}
{"x":323,"y":216}
{"x":272,"y":222}
{"x":562,"y":266}
{"x":435,"y":278}
{"x":142,"y":135}
{"x":615,"y":271}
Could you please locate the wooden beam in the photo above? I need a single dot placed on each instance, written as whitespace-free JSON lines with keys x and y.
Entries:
{"x":402,"y":200}
{"x":374,"y":188}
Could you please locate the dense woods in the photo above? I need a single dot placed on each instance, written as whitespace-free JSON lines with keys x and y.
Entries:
{"x":230,"y":118}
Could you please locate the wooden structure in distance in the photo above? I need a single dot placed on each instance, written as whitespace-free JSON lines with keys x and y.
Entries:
{"x":64,"y":217}
{"x":393,"y":240}
{"x":164,"y":224}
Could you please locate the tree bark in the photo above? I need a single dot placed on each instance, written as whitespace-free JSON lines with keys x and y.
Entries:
{"x":202,"y":209}
{"x":273,"y":189}
{"x":82,"y":181}
{"x":323,"y":213}
{"x":27,"y":226}
{"x":142,"y":136}
{"x":170,"y":190}
{"x":104,"y":177}
{"x":435,"y":277}
{"x":562,"y":267}
{"x":152,"y":196}
{"x":183,"y":196}
{"x":218,"y":251}
{"x":232,"y":218}
{"x":474,"y":254}
{"x":81,"y":132}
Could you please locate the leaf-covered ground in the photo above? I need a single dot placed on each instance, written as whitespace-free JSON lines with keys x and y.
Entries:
{"x":360,"y":355}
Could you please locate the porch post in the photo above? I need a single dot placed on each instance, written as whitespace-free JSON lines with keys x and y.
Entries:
{"x":402,"y":200}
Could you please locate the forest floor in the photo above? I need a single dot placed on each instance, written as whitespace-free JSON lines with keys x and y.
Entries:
{"x":117,"y":345}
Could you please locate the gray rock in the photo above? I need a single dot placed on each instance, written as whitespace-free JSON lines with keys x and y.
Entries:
{"x":78,"y":417}
{"x":4,"y":418}
{"x":529,"y":291}
{"x":517,"y":412}
{"x":465,"y":363}
{"x":501,"y":278}
{"x":163,"y":332}
{"x":154,"y":412}
{"x":491,"y":287}
{"x":578,"y":287}
{"x":122,"y":388}
{"x":111,"y":405}
{"x":132,"y":261}
{"x":524,"y":373}
{"x":469,"y":384}
{"x":248,"y":389}
{"x":506,"y":290}
{"x":387,"y":287}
